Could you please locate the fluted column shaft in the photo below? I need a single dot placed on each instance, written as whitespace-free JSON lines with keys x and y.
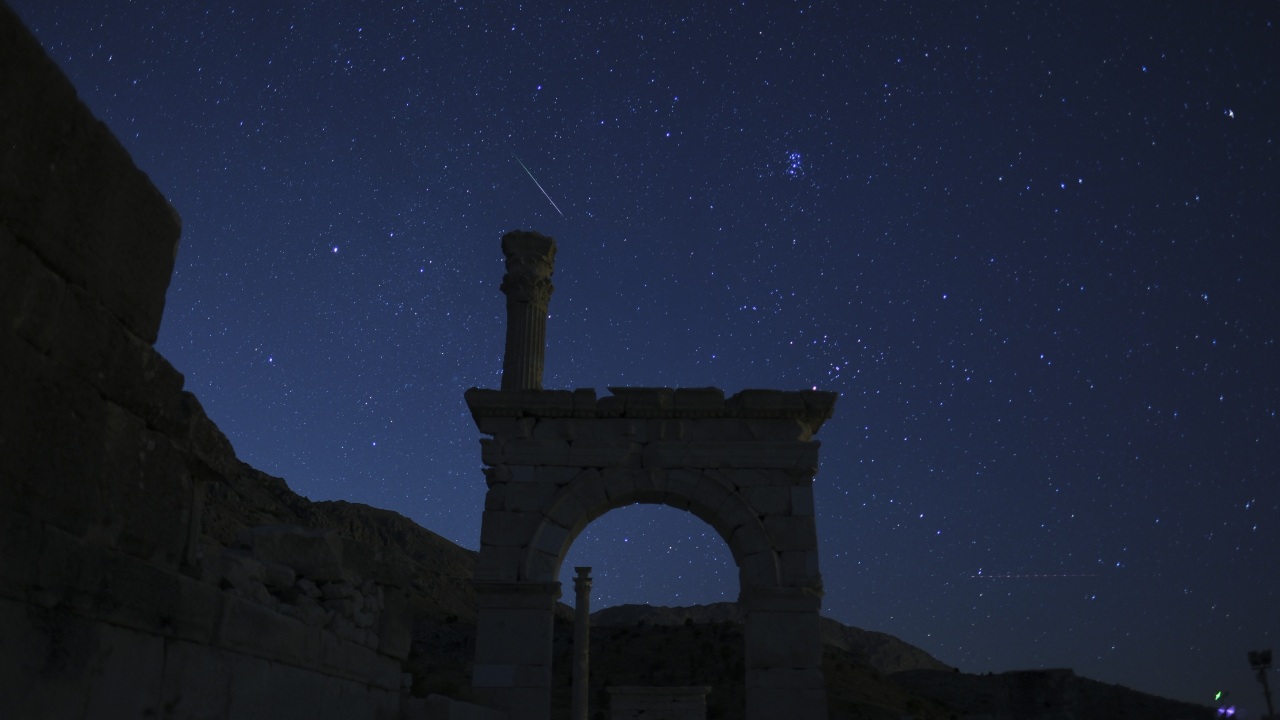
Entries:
{"x":581,"y":642}
{"x":530,"y":262}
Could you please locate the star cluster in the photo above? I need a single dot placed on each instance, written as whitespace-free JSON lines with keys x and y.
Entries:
{"x":1033,"y":247}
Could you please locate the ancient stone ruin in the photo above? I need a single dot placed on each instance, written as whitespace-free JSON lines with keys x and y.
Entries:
{"x":557,"y":459}
{"x":114,"y":600}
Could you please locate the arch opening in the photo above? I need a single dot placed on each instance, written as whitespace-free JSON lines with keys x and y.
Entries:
{"x":707,"y":494}
{"x":652,"y":553}
{"x":664,"y":612}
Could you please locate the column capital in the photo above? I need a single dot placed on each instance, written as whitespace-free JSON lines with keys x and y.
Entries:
{"x":582,"y":582}
{"x":531,"y":260}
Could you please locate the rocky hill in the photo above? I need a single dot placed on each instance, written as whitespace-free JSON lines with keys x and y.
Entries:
{"x":1050,"y":694}
{"x":869,"y":674}
{"x":885,"y":653}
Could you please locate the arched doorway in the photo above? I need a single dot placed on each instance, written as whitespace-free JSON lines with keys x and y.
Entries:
{"x":647,"y":554}
{"x":663,"y":617}
{"x":556,"y":460}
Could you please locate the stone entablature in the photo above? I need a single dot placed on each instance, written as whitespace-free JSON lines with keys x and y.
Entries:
{"x":810,"y":407}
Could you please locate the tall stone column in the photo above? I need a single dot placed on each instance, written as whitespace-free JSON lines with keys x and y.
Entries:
{"x":581,"y":642}
{"x":531,"y":259}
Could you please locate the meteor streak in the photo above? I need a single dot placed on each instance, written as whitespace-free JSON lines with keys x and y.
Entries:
{"x":535,"y":182}
{"x":1024,"y":576}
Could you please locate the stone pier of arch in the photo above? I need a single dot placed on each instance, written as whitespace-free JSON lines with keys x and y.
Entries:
{"x":557,"y":459}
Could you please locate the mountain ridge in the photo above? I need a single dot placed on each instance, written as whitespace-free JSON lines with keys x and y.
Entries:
{"x":869,"y":674}
{"x":882,"y":651}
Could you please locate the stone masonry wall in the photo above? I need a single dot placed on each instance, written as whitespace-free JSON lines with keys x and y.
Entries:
{"x":111,"y":603}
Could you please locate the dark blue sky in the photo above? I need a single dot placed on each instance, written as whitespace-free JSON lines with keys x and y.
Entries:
{"x":1033,"y":247}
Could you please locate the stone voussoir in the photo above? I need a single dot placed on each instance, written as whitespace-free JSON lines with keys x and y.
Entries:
{"x":619,"y":483}
{"x":566,"y":509}
{"x":650,"y":486}
{"x":588,"y":487}
{"x":550,"y":538}
{"x":539,"y":566}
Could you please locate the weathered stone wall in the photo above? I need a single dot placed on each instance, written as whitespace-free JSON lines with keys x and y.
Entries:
{"x":112,"y":602}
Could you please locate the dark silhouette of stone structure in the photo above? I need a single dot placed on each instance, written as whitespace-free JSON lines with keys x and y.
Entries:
{"x":115,"y":603}
{"x":112,"y":601}
{"x":557,"y":459}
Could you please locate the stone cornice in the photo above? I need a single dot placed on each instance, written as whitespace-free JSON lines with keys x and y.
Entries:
{"x":812,"y":407}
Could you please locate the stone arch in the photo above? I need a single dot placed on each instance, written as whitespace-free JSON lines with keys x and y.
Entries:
{"x":708,"y":496}
{"x":556,"y":460}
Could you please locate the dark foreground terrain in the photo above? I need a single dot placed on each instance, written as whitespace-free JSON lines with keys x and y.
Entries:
{"x":869,"y":675}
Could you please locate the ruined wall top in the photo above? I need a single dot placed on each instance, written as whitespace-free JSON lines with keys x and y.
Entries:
{"x":810,"y":407}
{"x":70,"y":192}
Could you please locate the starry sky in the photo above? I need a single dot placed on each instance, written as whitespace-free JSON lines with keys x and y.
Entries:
{"x":1033,"y":247}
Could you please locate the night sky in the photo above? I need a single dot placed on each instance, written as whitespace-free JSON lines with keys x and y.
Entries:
{"x":1033,"y":248}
